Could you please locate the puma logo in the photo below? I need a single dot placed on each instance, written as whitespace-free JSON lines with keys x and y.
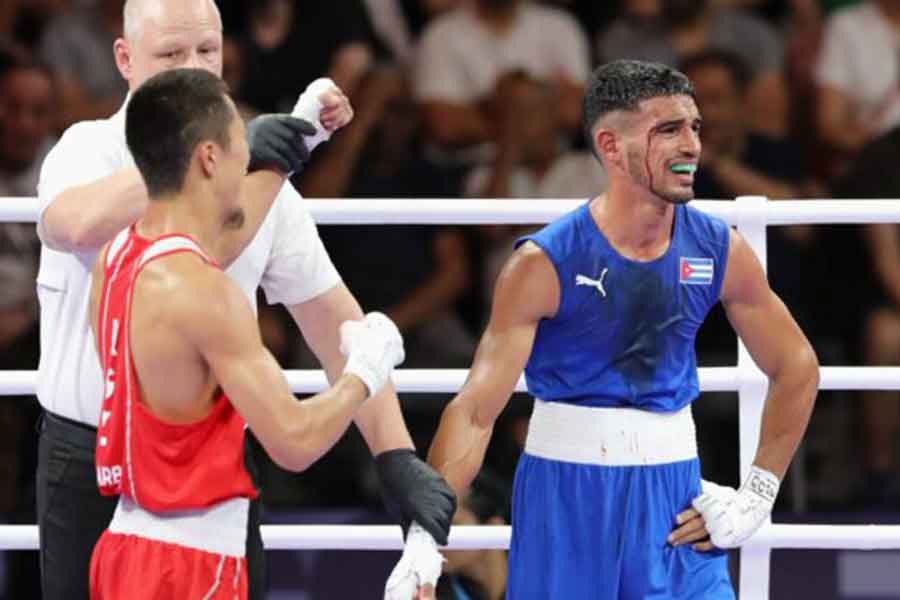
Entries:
{"x":597,"y":283}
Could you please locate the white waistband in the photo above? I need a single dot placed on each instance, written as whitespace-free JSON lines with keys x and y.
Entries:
{"x":220,"y":529}
{"x":610,"y":436}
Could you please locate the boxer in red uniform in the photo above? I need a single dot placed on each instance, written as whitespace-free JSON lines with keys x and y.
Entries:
{"x":184,"y":364}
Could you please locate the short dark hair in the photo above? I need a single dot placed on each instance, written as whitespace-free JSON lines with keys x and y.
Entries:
{"x":167,"y":117}
{"x":738,"y":68}
{"x":624,"y":84}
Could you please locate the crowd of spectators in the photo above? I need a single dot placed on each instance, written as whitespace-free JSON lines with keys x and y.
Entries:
{"x":482,"y":98}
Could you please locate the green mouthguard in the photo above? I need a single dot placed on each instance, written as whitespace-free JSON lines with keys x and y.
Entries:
{"x":687,"y":169}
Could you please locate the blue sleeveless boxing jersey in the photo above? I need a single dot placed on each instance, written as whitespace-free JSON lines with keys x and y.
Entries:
{"x":624,"y":331}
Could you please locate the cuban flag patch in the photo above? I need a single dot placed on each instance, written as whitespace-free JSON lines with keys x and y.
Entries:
{"x":696,"y":271}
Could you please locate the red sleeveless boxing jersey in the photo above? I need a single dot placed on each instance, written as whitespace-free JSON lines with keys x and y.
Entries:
{"x":160,"y":466}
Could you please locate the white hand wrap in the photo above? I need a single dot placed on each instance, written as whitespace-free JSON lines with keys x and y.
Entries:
{"x":722,"y":493}
{"x":732,"y":516}
{"x":373,"y":348}
{"x":308,"y":107}
{"x":420,"y":565}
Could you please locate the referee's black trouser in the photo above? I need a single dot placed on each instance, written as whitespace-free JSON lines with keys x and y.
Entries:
{"x":72,"y":514}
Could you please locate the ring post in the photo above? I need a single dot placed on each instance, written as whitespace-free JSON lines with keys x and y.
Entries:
{"x":752,"y":387}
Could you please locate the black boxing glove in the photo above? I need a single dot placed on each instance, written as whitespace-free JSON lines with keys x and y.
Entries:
{"x":413,"y":491}
{"x":277,"y":141}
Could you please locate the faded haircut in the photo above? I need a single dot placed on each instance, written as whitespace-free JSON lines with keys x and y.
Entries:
{"x":167,"y":117}
{"x":622,"y":85}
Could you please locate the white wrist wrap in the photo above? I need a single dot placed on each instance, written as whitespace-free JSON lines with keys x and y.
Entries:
{"x":308,"y":107}
{"x":732,"y":516}
{"x":373,"y":348}
{"x":420,"y":565}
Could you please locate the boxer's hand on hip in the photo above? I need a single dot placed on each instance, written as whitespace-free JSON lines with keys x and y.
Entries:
{"x":277,"y":141}
{"x":733,"y":516}
{"x":419,"y":566}
{"x":373,"y":348}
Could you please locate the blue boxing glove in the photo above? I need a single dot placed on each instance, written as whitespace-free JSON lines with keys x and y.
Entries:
{"x":413,"y":491}
{"x":278,"y":142}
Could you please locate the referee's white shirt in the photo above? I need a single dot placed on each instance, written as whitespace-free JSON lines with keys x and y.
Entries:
{"x":286,"y":257}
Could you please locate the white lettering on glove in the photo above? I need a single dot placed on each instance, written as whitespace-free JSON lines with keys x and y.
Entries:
{"x":373,"y":348}
{"x":732,"y":516}
{"x":420,"y":565}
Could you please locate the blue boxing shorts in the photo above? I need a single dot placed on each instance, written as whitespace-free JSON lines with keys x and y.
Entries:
{"x":596,"y":495}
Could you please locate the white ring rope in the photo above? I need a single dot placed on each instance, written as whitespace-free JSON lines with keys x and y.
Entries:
{"x":438,"y":211}
{"x":476,"y":537}
{"x":751,"y":214}
{"x":448,"y":381}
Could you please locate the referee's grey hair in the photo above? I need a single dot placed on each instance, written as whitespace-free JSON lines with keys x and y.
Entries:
{"x":133,"y":15}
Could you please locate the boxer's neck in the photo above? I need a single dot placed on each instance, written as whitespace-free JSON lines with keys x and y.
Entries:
{"x":181,"y":214}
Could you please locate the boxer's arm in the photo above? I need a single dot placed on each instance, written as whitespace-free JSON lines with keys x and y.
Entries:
{"x":380,"y":421}
{"x":527,"y":290}
{"x":411,"y":490}
{"x":781,"y":350}
{"x":215,"y":316}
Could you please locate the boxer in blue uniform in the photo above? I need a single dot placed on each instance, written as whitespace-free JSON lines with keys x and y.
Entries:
{"x":601,"y":309}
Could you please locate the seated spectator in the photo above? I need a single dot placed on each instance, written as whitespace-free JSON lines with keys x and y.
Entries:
{"x":773,"y":11}
{"x":233,"y":75}
{"x":856,"y":75}
{"x":421,"y":270}
{"x":11,"y":53}
{"x":399,"y":23}
{"x":864,"y":304}
{"x":28,"y":108}
{"x":9,"y":12}
{"x":23,"y":21}
{"x":466,"y":52}
{"x":18,"y":414}
{"x":530,"y":162}
{"x":478,"y":574}
{"x":392,"y":27}
{"x":26,"y":115}
{"x":667,"y":31}
{"x":737,"y":160}
{"x":289,"y":44}
{"x":76,"y":44}
{"x":594,"y":16}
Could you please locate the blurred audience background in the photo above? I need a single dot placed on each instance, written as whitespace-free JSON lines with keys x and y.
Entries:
{"x":482,"y":98}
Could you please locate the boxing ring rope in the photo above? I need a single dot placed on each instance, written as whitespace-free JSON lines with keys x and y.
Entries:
{"x":488,"y":211}
{"x":480,"y":537}
{"x":750,"y":214}
{"x":448,"y":381}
